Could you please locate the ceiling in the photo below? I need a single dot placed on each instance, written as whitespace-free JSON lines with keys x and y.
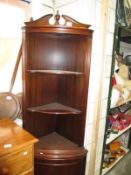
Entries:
{"x":58,"y":3}
{"x":53,"y":3}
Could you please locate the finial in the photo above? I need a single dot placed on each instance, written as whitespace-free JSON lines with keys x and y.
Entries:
{"x":57,"y":16}
{"x":31,"y":18}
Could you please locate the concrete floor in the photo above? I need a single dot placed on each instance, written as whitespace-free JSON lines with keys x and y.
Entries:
{"x":123,"y":167}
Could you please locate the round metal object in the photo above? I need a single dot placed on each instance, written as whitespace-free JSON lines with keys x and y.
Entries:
{"x":9,"y":106}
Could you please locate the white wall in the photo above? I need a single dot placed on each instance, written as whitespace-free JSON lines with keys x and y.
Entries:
{"x":11,"y":20}
{"x":81,"y":10}
{"x":102,"y":83}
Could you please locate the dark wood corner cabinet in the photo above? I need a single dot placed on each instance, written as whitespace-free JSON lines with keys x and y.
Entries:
{"x":56,"y":64}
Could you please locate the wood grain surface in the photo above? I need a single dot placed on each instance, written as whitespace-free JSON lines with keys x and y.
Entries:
{"x":16,"y":149}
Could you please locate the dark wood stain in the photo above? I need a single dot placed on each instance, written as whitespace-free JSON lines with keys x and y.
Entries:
{"x":56,"y":64}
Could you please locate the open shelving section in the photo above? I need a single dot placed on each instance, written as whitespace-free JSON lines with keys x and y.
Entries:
{"x":54,"y":108}
{"x":124,"y":109}
{"x":106,"y":170}
{"x":115,"y":136}
{"x":56,"y":66}
{"x":118,"y":122}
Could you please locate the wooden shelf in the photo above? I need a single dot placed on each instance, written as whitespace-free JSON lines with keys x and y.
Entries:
{"x":125,"y":107}
{"x":118,"y":159}
{"x":54,"y":145}
{"x":54,"y":108}
{"x":55,"y":141}
{"x":115,"y":136}
{"x":56,"y":72}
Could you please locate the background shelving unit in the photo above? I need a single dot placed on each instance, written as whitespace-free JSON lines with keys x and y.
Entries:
{"x":122,"y":34}
{"x":123,"y":108}
{"x":105,"y":171}
{"x":115,"y":136}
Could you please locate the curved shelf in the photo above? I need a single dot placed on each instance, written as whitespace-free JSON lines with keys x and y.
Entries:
{"x":54,"y":108}
{"x":55,"y":72}
{"x":55,"y":146}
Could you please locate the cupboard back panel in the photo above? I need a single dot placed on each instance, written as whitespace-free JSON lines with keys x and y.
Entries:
{"x":71,"y":128}
{"x":73,"y":88}
{"x":43,"y":89}
{"x":38,"y":125}
{"x":58,"y":52}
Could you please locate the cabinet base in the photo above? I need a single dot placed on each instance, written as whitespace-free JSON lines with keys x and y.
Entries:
{"x":60,"y":167}
{"x":56,"y":155}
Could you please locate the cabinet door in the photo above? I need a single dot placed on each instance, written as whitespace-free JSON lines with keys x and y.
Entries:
{"x":72,"y":167}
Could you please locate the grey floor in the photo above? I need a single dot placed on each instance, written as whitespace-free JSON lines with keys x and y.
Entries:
{"x":123,"y":167}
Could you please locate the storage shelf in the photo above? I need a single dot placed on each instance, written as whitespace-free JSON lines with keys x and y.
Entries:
{"x":56,"y":72}
{"x":55,"y":141}
{"x":118,"y":159}
{"x":57,"y":146}
{"x":122,"y":108}
{"x":124,"y":103}
{"x":54,"y":108}
{"x":114,"y":136}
